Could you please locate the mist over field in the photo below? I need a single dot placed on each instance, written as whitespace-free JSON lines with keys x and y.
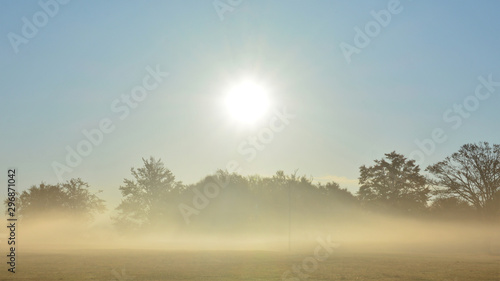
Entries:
{"x":355,"y":230}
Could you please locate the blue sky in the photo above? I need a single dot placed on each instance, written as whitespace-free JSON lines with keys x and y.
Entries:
{"x":394,"y":91}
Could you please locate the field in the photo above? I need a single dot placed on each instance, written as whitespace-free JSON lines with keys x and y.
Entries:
{"x":342,"y":264}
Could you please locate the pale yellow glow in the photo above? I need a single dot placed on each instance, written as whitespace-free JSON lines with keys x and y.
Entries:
{"x":247,"y":102}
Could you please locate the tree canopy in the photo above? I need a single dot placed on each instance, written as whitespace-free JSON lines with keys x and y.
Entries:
{"x":393,"y":183}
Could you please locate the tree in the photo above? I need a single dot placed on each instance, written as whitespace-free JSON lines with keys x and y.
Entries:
{"x":473,"y":174}
{"x":71,"y":199}
{"x":393,"y":184}
{"x":148,"y":199}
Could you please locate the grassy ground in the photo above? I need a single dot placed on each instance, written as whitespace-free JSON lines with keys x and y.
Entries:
{"x":343,"y":264}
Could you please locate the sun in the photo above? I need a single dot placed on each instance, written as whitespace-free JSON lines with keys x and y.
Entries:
{"x":247,"y":102}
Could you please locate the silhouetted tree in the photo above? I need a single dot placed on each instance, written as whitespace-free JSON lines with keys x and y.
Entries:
{"x":473,"y":174}
{"x":393,"y":184}
{"x":148,"y":199}
{"x":71,"y":199}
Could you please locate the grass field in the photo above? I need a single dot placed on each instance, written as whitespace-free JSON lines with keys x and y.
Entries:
{"x":343,"y":264}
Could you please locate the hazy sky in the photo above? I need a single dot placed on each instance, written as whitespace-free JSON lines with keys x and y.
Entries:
{"x":87,"y":56}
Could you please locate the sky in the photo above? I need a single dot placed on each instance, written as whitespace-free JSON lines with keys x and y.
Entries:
{"x":347,"y":81}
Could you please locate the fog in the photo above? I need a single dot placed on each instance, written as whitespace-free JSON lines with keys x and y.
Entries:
{"x":357,"y":231}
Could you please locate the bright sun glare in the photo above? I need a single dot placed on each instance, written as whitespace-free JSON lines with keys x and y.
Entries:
{"x":247,"y":102}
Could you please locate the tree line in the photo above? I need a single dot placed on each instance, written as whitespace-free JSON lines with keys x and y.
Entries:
{"x":464,"y":185}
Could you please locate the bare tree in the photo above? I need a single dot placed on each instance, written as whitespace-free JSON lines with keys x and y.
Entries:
{"x":473,"y":174}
